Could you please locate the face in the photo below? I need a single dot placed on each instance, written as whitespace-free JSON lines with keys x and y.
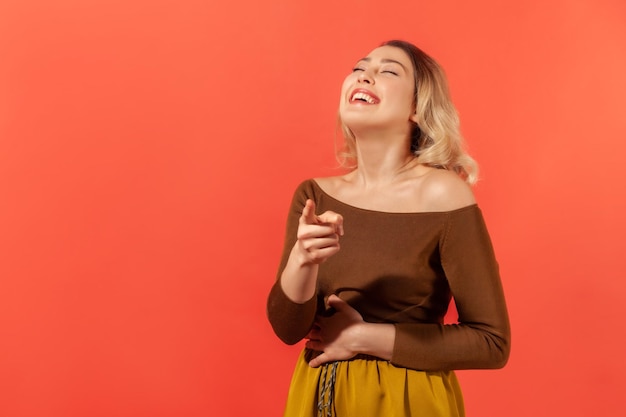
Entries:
{"x":380,"y":91}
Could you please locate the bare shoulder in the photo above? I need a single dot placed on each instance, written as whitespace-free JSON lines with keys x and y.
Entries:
{"x":443,"y":190}
{"x":328,"y":184}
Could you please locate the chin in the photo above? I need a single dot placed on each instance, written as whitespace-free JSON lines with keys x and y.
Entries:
{"x":357,"y":117}
{"x":356,"y":121}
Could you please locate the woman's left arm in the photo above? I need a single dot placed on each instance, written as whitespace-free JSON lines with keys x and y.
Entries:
{"x":482,"y":337}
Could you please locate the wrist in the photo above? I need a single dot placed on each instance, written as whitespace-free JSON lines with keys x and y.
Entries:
{"x":376,"y":339}
{"x":298,"y":279}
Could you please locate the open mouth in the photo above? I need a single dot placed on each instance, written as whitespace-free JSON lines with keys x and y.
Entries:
{"x":364,"y":97}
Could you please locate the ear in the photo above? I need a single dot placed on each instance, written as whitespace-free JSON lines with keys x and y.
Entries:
{"x":414,"y":118}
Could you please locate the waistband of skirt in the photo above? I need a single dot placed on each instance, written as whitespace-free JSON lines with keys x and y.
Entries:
{"x":310,"y":354}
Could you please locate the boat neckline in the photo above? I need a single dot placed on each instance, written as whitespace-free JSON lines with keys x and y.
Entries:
{"x":316,"y":185}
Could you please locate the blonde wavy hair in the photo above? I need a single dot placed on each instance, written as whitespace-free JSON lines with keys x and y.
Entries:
{"x":436,"y":139}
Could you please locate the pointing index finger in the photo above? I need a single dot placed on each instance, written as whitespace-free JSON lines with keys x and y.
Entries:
{"x":308,"y":213}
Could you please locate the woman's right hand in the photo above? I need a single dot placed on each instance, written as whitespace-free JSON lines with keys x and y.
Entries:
{"x":318,"y":236}
{"x":317,"y":240}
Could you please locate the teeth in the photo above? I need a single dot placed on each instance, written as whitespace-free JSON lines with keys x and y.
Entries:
{"x":363,"y":96}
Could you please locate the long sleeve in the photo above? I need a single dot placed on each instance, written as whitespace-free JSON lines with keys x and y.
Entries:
{"x":481,"y":339}
{"x":291,"y":321}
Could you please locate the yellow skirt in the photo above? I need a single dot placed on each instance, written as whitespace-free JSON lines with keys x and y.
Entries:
{"x":369,"y":387}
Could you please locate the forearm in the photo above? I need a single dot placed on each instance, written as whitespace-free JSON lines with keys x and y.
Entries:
{"x":454,"y":346}
{"x":290,"y":320}
{"x":292,"y":303}
{"x":298,"y":279}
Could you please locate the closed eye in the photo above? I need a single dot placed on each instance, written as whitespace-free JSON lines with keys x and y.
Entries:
{"x":390,"y":72}
{"x":355,"y":69}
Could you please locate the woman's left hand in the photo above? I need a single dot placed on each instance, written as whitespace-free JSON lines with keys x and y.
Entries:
{"x":335,"y":336}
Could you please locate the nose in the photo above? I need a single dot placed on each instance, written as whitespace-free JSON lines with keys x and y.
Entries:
{"x":365,"y":77}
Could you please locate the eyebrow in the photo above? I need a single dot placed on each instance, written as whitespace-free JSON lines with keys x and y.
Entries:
{"x":385,"y":61}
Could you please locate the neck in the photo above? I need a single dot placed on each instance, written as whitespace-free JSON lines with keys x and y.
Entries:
{"x":382,"y":158}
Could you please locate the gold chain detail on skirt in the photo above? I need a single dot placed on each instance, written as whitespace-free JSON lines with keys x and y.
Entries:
{"x":326,"y":389}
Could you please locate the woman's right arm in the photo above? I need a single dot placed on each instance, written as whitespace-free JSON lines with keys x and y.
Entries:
{"x":310,"y":240}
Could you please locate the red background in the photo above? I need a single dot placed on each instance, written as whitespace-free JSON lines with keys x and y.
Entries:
{"x":149,"y":149}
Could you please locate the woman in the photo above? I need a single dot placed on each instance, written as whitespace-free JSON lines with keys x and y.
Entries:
{"x":371,"y":301}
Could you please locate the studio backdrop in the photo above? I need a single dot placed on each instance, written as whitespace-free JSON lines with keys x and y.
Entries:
{"x":149,"y":151}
